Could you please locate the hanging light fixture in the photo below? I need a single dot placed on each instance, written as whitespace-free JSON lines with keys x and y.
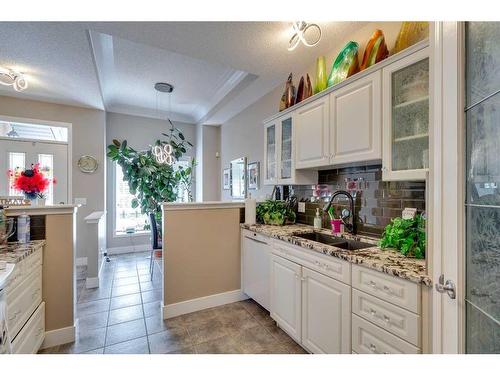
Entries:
{"x":163,"y":153}
{"x":9,"y":77}
{"x":300,"y":28}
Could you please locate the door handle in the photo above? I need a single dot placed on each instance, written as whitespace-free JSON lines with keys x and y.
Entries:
{"x":447,"y":287}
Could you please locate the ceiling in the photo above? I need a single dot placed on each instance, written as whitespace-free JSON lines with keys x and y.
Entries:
{"x":217,"y":68}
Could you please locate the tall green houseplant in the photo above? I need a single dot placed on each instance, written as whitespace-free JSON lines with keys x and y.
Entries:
{"x":151,"y":182}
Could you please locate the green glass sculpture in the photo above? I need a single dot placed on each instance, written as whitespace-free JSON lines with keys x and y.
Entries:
{"x":320,"y":83}
{"x":345,"y":65}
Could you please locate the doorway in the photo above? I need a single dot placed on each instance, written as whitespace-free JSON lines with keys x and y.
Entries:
{"x":24,"y":143}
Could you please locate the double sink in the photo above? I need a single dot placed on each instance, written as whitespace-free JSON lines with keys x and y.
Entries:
{"x":341,"y":243}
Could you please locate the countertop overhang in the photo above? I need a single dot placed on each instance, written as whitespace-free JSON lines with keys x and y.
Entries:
{"x":55,"y":209}
{"x":387,"y":261}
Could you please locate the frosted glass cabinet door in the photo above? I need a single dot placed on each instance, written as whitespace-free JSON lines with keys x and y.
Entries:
{"x":286,"y":149}
{"x":270,"y":154}
{"x":406,"y":118}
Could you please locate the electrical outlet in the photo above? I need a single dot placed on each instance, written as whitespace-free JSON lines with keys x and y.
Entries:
{"x":302,"y":207}
{"x":82,"y":201}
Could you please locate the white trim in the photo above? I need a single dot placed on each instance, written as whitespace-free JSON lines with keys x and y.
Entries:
{"x":82,"y":261}
{"x":42,"y":210}
{"x":59,"y":336}
{"x":197,"y":304}
{"x":92,"y":282}
{"x":174,"y":206}
{"x":128,"y":249}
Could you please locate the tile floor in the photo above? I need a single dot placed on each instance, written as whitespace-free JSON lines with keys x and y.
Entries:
{"x":123,"y":316}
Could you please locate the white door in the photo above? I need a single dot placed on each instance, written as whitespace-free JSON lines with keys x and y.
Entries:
{"x":286,"y":295}
{"x":326,"y":314}
{"x":311,"y":124}
{"x":52,"y":156}
{"x":356,"y":121}
{"x":256,"y":255}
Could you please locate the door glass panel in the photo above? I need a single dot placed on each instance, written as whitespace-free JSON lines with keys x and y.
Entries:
{"x":482,"y":297}
{"x":17,"y":160}
{"x":286,"y":148}
{"x":271,"y":152}
{"x":46,"y":162}
{"x":410,"y":117}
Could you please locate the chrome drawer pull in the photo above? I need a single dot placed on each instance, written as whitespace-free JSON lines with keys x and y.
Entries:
{"x":372,"y":284}
{"x":373,"y":348}
{"x":373,"y":312}
{"x":387,"y":319}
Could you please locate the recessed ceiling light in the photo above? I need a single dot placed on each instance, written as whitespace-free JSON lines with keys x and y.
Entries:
{"x":164,"y":87}
{"x":9,"y":77}
{"x":300,"y":28}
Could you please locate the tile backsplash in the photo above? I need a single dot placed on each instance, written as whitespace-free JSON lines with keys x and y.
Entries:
{"x":376,"y":201}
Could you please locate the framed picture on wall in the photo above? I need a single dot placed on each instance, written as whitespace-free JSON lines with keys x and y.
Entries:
{"x":226,"y":178}
{"x":253,"y":175}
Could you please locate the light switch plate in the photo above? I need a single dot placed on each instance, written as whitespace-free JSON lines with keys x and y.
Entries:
{"x":302,"y":207}
{"x":82,"y":201}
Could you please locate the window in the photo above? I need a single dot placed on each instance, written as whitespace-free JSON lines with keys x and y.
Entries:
{"x":127,"y":219}
{"x":46,"y":162}
{"x":16,"y":160}
{"x":21,"y":130}
{"x":182,"y":194}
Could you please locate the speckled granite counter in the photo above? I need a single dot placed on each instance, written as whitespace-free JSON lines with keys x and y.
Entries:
{"x":387,"y":261}
{"x":15,"y":252}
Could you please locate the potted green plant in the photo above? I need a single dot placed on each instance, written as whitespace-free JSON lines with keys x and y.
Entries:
{"x":275,"y":213}
{"x":406,"y":235}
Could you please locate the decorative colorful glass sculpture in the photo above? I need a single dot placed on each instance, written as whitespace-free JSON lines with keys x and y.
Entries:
{"x":304,"y":89}
{"x":345,"y":65}
{"x":309,"y":88}
{"x":321,"y":78}
{"x":409,"y":34}
{"x":288,"y":97}
{"x":375,"y":51}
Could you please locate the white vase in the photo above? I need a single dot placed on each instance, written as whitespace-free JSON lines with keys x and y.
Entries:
{"x":40,"y":201}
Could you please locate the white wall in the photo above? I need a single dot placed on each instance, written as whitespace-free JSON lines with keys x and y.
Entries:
{"x":243,"y":135}
{"x":88,"y":139}
{"x":140,"y":133}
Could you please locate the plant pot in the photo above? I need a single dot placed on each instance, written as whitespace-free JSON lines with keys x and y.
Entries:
{"x":41,"y":202}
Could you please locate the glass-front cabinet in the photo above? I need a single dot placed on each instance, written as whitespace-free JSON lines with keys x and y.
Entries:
{"x":279,"y":154}
{"x":406,"y":118}
{"x":270,"y":153}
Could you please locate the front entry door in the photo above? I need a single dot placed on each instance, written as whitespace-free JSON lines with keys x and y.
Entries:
{"x":53,"y":157}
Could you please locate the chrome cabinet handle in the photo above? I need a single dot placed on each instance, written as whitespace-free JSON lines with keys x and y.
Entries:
{"x":447,"y":287}
{"x":387,"y":319}
{"x":372,"y":284}
{"x":373,"y":348}
{"x":373,"y":312}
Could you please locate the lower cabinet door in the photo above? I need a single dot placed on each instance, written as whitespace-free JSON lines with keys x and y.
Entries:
{"x":326,"y":314}
{"x":286,"y":295}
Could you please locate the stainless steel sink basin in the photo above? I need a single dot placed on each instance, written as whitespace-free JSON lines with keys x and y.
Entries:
{"x":334,"y":241}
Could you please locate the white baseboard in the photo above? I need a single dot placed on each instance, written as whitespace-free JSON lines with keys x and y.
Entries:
{"x":58,"y":337}
{"x":128,"y":249}
{"x":197,"y":304}
{"x":81,"y":261}
{"x":92,"y":282}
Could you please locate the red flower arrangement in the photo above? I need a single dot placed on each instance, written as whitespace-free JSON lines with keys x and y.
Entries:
{"x":31,"y":182}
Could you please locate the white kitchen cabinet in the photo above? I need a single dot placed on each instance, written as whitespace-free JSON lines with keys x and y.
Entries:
{"x":286,"y":295}
{"x":279,"y":154}
{"x":312,"y":134}
{"x":356,"y":121}
{"x":405,"y":116}
{"x":326,"y":314}
{"x":256,"y":253}
{"x":270,"y":153}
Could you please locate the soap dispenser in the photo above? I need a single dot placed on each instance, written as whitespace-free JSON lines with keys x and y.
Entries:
{"x":317,"y":220}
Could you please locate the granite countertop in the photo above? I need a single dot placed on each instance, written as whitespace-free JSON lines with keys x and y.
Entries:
{"x":386,"y":261}
{"x":15,"y":252}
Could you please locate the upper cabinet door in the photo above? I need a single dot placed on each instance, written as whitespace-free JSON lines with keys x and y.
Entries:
{"x":285,"y":165}
{"x":356,"y":121}
{"x":270,"y":153}
{"x":406,"y":118}
{"x":312,"y":146}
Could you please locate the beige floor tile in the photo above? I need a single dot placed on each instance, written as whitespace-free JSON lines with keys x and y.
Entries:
{"x":169,"y":341}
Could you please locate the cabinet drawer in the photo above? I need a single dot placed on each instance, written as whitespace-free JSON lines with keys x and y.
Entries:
{"x":23,"y":270}
{"x":394,"y":319}
{"x":30,"y":338}
{"x":392,"y":289}
{"x":367,"y":338}
{"x":28,"y":296}
{"x":327,"y":265}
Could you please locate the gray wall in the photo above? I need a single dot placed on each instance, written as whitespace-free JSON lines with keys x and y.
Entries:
{"x":140,"y":132}
{"x":243,"y":135}
{"x":209,"y":168}
{"x":88,"y":139}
